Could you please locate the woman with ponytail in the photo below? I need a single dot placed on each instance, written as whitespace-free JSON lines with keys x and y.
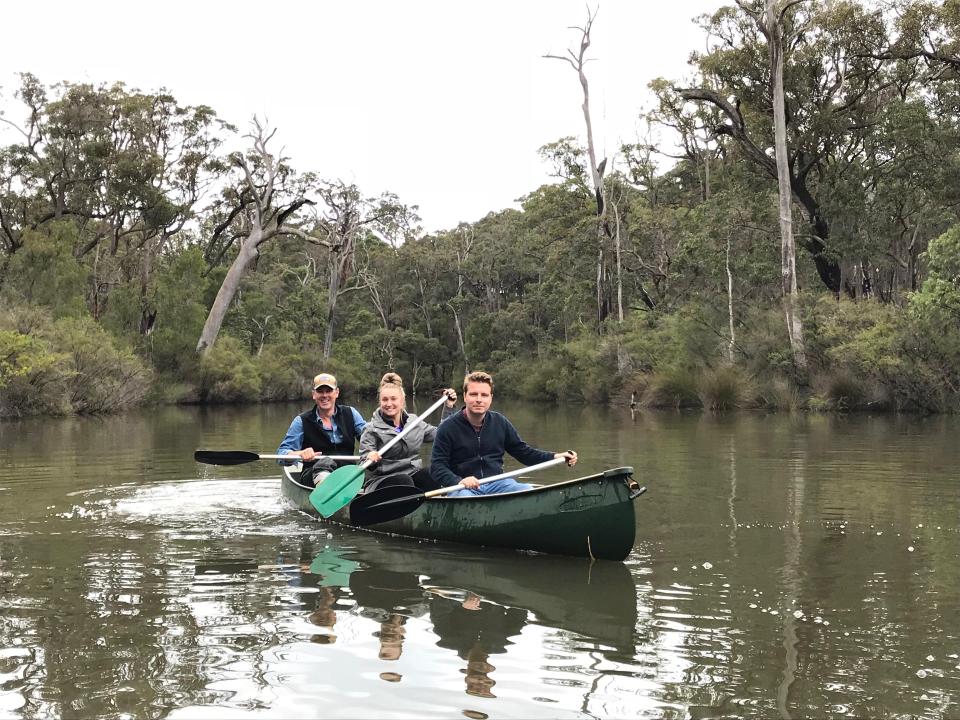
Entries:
{"x":401,"y":464}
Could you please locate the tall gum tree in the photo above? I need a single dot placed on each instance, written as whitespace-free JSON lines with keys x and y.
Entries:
{"x":771,"y":24}
{"x":262,"y":206}
{"x":577,"y":59}
{"x":344,"y":215}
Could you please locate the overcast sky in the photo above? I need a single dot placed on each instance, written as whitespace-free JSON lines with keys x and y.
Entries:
{"x":444,"y":102}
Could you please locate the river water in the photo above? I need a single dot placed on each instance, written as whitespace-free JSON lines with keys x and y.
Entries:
{"x":785,"y":566}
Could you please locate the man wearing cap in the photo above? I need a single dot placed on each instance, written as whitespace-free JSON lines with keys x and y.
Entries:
{"x":327,"y":429}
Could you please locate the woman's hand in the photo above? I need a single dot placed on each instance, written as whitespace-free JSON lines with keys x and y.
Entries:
{"x":451,"y":397}
{"x":373,"y":457}
{"x":570,"y":456}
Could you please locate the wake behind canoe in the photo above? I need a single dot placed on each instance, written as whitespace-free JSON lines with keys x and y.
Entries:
{"x":591,"y":516}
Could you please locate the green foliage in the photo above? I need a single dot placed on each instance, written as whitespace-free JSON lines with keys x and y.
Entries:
{"x":725,"y":388}
{"x":180,"y":313}
{"x":839,"y":390}
{"x":689,"y":338}
{"x":672,"y":388}
{"x":45,"y":272}
{"x":87,"y":373}
{"x":112,"y":266}
{"x":779,"y":393}
{"x":103,"y":377}
{"x":228,"y":373}
{"x":284,"y":375}
{"x":21,"y":356}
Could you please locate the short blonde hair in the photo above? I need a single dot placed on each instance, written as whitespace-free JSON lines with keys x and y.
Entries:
{"x":478,"y":376}
{"x":392,"y":380}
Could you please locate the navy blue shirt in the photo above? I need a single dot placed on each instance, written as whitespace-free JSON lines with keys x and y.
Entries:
{"x":460,"y":451}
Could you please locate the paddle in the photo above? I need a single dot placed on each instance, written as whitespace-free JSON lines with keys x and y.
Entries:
{"x":342,"y":485}
{"x":239,"y":457}
{"x":395,"y":501}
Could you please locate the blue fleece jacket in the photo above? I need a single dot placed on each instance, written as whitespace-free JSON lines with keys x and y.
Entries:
{"x":460,"y":451}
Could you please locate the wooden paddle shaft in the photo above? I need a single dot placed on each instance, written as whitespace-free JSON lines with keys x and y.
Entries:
{"x":501,"y":476}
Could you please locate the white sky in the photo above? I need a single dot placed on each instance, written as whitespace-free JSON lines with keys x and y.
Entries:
{"x":444,"y":102}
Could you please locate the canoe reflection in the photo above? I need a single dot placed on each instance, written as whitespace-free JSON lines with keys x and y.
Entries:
{"x":479,"y":602}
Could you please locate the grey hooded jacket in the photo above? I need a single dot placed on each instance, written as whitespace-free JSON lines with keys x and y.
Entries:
{"x":404,"y":457}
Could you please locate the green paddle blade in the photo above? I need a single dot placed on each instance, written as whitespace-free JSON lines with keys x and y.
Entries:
{"x":337,"y":490}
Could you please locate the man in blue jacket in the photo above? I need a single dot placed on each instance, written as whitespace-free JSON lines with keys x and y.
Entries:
{"x":470,"y":445}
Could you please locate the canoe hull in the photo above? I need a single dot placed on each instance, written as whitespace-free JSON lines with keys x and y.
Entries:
{"x":589,"y":517}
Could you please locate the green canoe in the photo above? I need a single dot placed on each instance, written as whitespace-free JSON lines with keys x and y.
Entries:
{"x":592,"y":516}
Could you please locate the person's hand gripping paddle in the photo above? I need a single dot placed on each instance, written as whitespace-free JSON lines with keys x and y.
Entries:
{"x":342,"y":485}
{"x":394,"y":502}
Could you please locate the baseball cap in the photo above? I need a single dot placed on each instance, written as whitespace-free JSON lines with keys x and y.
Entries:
{"x":324,"y":380}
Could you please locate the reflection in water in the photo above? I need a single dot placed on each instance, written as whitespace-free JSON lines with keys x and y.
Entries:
{"x":325,"y":616}
{"x":390,"y":598}
{"x":800,"y":567}
{"x":475,"y":630}
{"x":478,"y":606}
{"x":463,"y":620}
{"x":791,"y":585}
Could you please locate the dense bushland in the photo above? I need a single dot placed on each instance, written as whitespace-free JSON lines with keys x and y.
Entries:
{"x":140,"y":262}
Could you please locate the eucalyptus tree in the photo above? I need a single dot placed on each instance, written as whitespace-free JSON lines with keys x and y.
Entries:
{"x":262,"y":203}
{"x":128,"y":169}
{"x":839,"y":99}
{"x":578,"y":60}
{"x":344,"y":216}
{"x":771,"y":22}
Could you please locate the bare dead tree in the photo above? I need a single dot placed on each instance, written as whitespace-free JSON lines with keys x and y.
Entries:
{"x":263,"y":207}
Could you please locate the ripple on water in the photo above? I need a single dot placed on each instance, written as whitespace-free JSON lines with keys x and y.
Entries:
{"x":194,"y":509}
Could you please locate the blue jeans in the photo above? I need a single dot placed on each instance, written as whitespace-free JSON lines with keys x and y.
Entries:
{"x":506,"y":485}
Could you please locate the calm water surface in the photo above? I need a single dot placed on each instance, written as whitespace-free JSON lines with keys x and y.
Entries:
{"x":784,"y":567}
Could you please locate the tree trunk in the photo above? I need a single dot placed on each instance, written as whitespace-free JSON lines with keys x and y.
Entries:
{"x":733,"y":332}
{"x":246,"y":256}
{"x":788,"y":253}
{"x":333,"y":293}
{"x":618,"y":248}
{"x":577,"y":61}
{"x":463,"y":349}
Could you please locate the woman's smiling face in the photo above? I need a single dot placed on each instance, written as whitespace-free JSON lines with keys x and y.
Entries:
{"x":391,"y":402}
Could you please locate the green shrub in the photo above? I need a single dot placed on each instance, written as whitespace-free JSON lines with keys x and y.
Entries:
{"x":104,"y":378}
{"x":780,"y":393}
{"x":839,"y":390}
{"x":671,"y":389}
{"x":284,"y":375}
{"x":44,"y":272}
{"x":688,"y":338}
{"x":724,"y":388}
{"x":171,"y":344}
{"x":228,"y":373}
{"x":29,"y":376}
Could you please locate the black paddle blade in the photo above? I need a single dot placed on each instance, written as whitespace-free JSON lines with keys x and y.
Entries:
{"x":224,"y":457}
{"x":385,"y":504}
